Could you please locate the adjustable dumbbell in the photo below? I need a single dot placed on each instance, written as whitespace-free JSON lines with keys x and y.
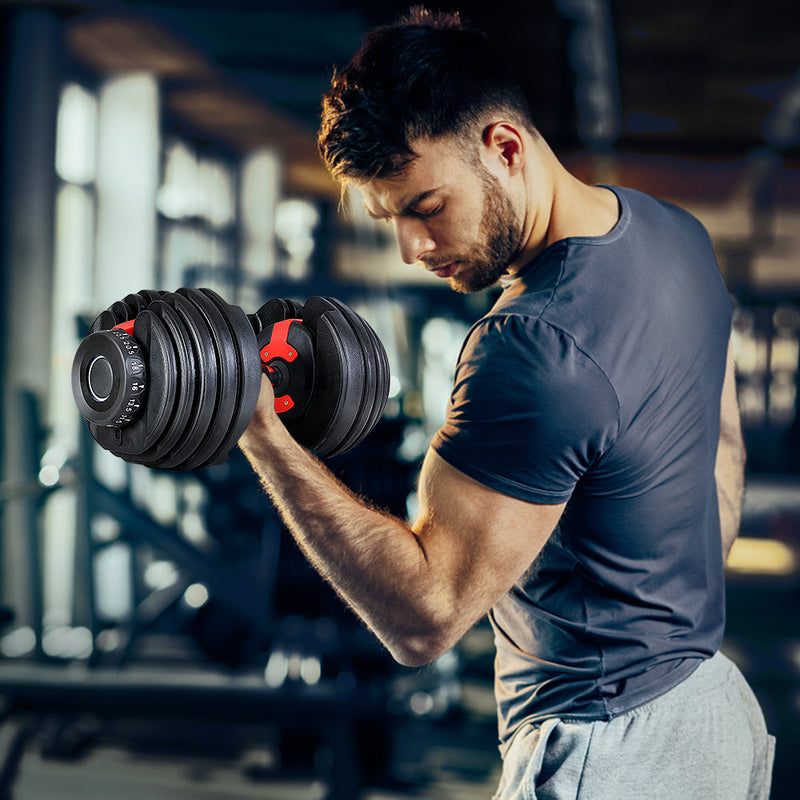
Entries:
{"x":171,"y":379}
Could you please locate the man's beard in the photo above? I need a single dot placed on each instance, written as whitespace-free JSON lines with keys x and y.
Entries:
{"x":502,"y":240}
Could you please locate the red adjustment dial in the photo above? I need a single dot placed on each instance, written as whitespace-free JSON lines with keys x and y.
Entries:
{"x":286,"y":349}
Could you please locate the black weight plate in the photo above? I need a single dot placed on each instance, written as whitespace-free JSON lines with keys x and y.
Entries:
{"x":103,"y":322}
{"x":121,"y":312}
{"x":383,"y":377}
{"x":275,"y":310}
{"x":255,"y":323}
{"x":369,"y":393}
{"x":381,"y":388}
{"x":248,"y":370}
{"x":130,"y":442}
{"x":202,"y":346}
{"x":185,"y":387}
{"x":308,"y":428}
{"x":150,"y":295}
{"x":352,"y":391}
{"x":143,"y":298}
{"x":163,"y":383}
{"x":136,"y":303}
{"x":124,"y":310}
{"x":339,"y":374}
{"x":130,"y":308}
{"x":225,"y":352}
{"x":363,"y":376}
{"x":378,"y":361}
{"x":295,"y":309}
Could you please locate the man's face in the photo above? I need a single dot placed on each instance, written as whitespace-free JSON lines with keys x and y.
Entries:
{"x":450,"y":214}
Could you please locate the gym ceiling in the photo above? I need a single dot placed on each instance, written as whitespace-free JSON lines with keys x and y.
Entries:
{"x":698,"y":79}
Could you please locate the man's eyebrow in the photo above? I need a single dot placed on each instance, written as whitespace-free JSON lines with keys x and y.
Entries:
{"x":409,"y":207}
{"x":370,"y":213}
{"x":412,"y":204}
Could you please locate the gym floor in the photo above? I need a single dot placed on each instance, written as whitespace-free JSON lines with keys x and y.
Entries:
{"x":457,"y":763}
{"x":174,"y":759}
{"x":110,"y":772}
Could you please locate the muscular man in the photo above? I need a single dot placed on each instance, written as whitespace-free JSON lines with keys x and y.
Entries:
{"x":571,"y":493}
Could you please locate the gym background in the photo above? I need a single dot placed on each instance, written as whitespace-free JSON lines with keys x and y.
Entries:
{"x":161,"y":636}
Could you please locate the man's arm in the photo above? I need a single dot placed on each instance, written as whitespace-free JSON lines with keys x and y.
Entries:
{"x":420,"y":588}
{"x":729,"y":468}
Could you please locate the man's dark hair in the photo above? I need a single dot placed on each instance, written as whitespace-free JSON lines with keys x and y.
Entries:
{"x":426,"y":75}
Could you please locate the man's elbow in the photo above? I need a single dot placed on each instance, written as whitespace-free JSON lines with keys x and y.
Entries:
{"x":426,"y":630}
{"x":418,"y":650}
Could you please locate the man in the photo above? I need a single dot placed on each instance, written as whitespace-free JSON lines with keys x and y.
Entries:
{"x":571,"y":493}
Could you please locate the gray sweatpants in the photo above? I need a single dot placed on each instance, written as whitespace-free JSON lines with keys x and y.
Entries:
{"x":703,"y":740}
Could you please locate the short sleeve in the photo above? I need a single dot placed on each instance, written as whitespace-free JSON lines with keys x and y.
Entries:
{"x":529,"y":412}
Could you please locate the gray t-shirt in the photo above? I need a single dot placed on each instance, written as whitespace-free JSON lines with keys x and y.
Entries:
{"x":596,"y":379}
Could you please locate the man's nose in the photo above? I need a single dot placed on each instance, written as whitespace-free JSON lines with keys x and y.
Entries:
{"x":413,"y":239}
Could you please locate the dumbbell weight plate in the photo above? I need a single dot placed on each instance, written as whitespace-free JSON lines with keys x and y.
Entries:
{"x":124,"y":310}
{"x":136,"y":442}
{"x":131,"y":441}
{"x":183,"y":400}
{"x":372,"y":400}
{"x":339,"y":378}
{"x":139,"y":301}
{"x":136,"y":303}
{"x":201,"y":346}
{"x":248,"y":372}
{"x":121,"y":311}
{"x":150,"y":330}
{"x":227,"y":384}
{"x":384,"y":378}
{"x":275,"y":310}
{"x":151,"y":295}
{"x":295,"y":309}
{"x":377,"y":355}
{"x":365,"y":403}
{"x":104,"y":321}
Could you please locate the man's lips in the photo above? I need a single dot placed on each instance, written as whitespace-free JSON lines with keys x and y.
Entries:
{"x":445,"y":271}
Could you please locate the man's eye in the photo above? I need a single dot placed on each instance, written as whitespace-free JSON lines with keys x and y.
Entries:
{"x":428,"y":214}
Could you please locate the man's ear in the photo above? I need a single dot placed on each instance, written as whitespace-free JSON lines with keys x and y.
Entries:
{"x":504,"y":146}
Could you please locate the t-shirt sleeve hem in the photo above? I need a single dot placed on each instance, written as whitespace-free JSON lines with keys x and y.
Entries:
{"x":456,"y":457}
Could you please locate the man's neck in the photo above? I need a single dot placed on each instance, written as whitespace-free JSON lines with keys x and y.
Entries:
{"x":581,"y":210}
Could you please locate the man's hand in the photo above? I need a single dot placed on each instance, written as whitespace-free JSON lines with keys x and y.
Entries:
{"x":263,"y":419}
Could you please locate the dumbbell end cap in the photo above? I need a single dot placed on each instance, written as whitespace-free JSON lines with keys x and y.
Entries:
{"x":108,"y":378}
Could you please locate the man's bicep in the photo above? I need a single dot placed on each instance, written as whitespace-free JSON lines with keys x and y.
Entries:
{"x":482,"y":539}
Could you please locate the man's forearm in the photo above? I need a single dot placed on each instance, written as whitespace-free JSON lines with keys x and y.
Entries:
{"x":374,"y":561}
{"x":730,"y":463}
{"x":730,"y":492}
